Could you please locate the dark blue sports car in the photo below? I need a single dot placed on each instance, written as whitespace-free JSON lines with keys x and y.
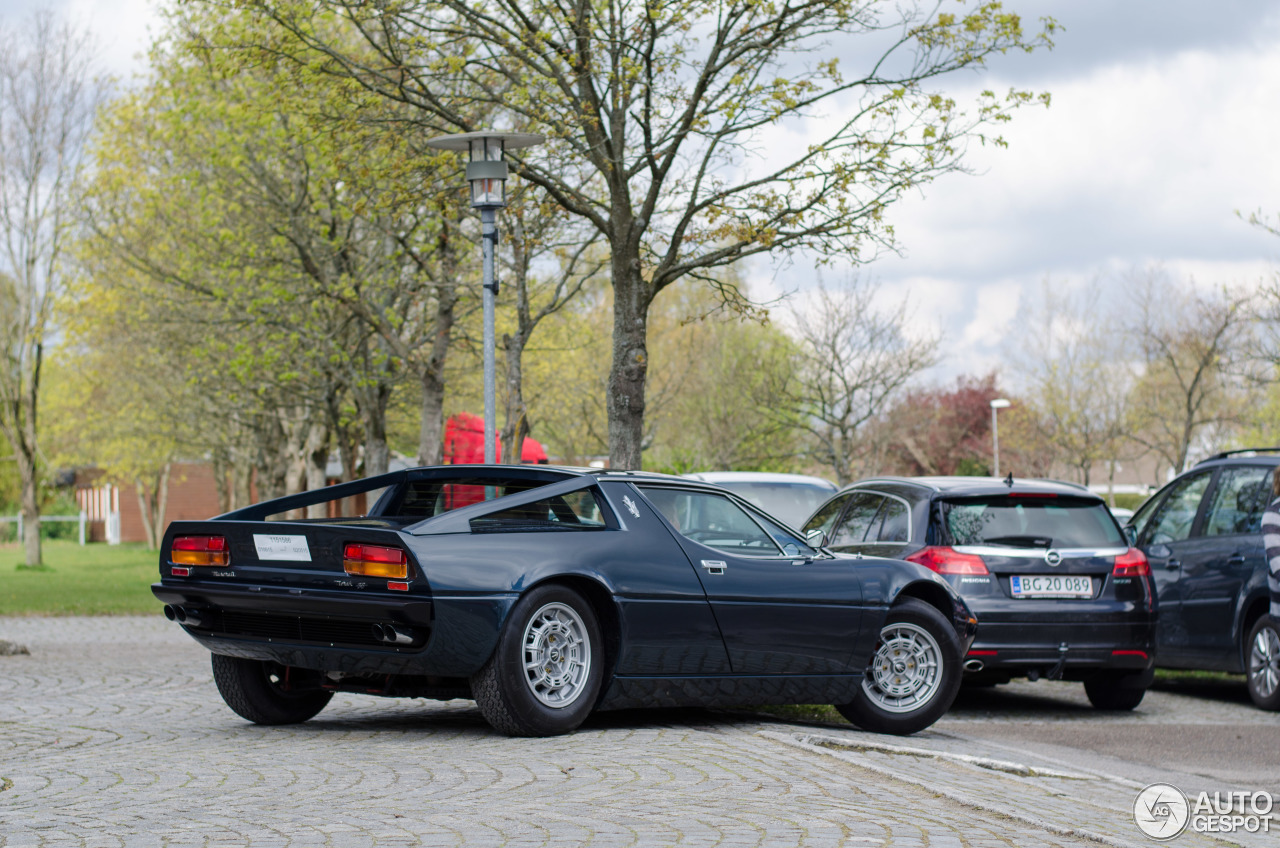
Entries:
{"x":545,"y":593}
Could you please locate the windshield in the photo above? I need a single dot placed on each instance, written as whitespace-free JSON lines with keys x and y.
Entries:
{"x":1030,"y":522}
{"x":792,"y":503}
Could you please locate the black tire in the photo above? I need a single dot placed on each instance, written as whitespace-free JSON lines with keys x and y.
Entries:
{"x":557,"y":697}
{"x":914,"y":673}
{"x":1262,"y":663}
{"x":1116,"y":690}
{"x":267,"y":693}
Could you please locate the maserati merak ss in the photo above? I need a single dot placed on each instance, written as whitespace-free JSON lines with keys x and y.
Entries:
{"x":545,"y":593}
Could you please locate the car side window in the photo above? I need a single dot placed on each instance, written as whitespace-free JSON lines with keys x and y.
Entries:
{"x":713,"y":520}
{"x":892,"y":524}
{"x":574,"y":511}
{"x":825,"y":516}
{"x":1174,"y":517}
{"x":1238,"y":500}
{"x":852,"y":529}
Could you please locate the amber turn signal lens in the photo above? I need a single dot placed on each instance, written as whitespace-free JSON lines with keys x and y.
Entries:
{"x":200,"y":550}
{"x":375,"y":561}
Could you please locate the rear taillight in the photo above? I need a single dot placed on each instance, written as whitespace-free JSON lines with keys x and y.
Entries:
{"x":946,"y":560}
{"x":375,"y":561}
{"x":1131,"y":563}
{"x":200,"y":550}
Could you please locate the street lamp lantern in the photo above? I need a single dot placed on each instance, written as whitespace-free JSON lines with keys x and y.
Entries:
{"x":997,"y":404}
{"x":487,"y":173}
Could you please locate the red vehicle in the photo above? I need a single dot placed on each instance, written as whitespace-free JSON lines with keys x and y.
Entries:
{"x":464,"y":445}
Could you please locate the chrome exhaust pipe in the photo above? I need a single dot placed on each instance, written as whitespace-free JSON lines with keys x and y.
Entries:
{"x":188,"y":616}
{"x":393,"y":634}
{"x":170,"y":612}
{"x":974,"y":665}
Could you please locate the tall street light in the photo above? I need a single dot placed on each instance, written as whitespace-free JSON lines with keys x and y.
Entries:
{"x":998,"y":403}
{"x":487,"y":173}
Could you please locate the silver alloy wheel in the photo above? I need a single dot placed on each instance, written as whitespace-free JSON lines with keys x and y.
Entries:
{"x":1264,"y":662}
{"x":906,"y":671}
{"x":557,"y":655}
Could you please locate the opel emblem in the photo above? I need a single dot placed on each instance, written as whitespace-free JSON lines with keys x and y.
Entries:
{"x":1052,"y":557}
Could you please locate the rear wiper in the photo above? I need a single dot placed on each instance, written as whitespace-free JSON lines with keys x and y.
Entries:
{"x":1020,"y":541}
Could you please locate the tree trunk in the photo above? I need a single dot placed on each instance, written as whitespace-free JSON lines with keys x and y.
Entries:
{"x":431,"y":376}
{"x":153,"y":502}
{"x":630,"y":367}
{"x":241,"y":483}
{"x":317,"y":460}
{"x":222,"y":480}
{"x":517,"y":421}
{"x":372,"y":401}
{"x":30,"y":505}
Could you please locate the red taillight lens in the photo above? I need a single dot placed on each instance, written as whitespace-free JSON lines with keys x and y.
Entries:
{"x":946,"y":560}
{"x":375,"y":561}
{"x":1131,"y":563}
{"x":200,"y":550}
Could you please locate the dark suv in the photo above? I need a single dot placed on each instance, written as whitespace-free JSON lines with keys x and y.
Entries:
{"x":1202,"y":535}
{"x":1056,"y":587}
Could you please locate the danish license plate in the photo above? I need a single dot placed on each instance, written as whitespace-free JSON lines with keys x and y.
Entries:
{"x":1051,"y":586}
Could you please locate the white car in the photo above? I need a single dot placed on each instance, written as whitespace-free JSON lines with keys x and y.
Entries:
{"x":791,"y":497}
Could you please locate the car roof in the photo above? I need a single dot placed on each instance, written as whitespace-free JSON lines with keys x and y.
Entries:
{"x":722,"y":477}
{"x":964,"y":486}
{"x":1244,"y":456}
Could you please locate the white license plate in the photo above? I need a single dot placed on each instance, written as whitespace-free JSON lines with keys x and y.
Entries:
{"x":1051,"y":586}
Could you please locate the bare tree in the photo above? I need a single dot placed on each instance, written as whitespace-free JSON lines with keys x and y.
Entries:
{"x":1078,"y":376}
{"x":855,"y":355}
{"x":48,"y":95}
{"x":1195,"y":350}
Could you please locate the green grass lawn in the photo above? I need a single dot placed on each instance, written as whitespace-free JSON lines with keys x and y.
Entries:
{"x":95,"y":579}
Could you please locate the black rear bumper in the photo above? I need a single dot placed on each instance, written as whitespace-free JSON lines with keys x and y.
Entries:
{"x":1069,"y":648}
{"x":307,"y":628}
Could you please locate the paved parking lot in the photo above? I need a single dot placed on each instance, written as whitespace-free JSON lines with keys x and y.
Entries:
{"x":112,"y":734}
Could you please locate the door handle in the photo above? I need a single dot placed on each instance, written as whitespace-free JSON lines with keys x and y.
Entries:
{"x":1235,"y":559}
{"x":1173,"y":565}
{"x":714,"y":566}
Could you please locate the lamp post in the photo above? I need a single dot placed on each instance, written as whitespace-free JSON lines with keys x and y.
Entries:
{"x":487,"y":173}
{"x":997,"y":404}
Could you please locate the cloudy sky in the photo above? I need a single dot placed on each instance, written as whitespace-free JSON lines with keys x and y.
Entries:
{"x":1165,"y":121}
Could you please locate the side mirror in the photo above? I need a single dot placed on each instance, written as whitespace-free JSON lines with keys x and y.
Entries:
{"x":816,"y":539}
{"x":1131,"y":533}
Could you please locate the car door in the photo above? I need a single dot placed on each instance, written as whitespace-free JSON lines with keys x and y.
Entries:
{"x":1215,"y":576}
{"x":1168,"y":539}
{"x":782,"y":607}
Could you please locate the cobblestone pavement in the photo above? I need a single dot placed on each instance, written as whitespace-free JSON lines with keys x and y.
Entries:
{"x":112,"y":734}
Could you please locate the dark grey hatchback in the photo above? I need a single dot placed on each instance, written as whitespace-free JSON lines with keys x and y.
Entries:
{"x":1057,"y":589}
{"x":1203,"y":536}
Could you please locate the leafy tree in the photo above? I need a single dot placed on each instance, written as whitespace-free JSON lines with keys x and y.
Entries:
{"x":243,"y":200}
{"x":944,"y":430}
{"x":670,"y":123}
{"x":48,"y":94}
{"x":726,"y":381}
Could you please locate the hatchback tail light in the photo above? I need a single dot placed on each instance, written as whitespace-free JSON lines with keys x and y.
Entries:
{"x":200,"y":550}
{"x":375,"y":561}
{"x":1131,"y":563}
{"x":945,"y":560}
